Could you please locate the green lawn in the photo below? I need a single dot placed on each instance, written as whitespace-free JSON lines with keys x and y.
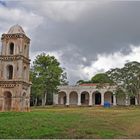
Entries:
{"x":82,"y":122}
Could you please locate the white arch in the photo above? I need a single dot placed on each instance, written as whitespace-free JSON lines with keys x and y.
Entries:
{"x":85,"y":97}
{"x":62,"y":98}
{"x":96,"y":97}
{"x":108,"y":97}
{"x":73,"y":96}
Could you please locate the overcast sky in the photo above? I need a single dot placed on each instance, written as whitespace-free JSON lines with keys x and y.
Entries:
{"x":86,"y":36}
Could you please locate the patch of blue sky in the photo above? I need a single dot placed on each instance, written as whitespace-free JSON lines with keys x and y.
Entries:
{"x":3,"y":3}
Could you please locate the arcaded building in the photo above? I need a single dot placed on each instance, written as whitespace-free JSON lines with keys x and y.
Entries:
{"x":91,"y":95}
{"x":14,"y":70}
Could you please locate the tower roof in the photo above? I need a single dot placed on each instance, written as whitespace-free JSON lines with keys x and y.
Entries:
{"x":16,"y":29}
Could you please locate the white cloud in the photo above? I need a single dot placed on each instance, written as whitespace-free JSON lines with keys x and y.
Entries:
{"x":105,"y":62}
{"x":12,"y":16}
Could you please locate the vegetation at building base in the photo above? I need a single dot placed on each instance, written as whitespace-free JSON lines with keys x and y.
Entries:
{"x":46,"y":75}
{"x":82,"y":123}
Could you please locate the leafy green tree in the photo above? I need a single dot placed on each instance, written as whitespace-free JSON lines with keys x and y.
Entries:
{"x":83,"y":82}
{"x":36,"y":89}
{"x":101,"y":78}
{"x":46,"y":76}
{"x":127,"y":78}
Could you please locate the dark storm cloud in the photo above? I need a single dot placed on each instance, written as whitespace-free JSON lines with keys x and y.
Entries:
{"x":105,"y":28}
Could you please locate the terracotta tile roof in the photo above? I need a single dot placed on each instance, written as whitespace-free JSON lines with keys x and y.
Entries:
{"x":90,"y":84}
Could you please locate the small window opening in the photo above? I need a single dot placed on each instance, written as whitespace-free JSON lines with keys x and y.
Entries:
{"x":11,"y":48}
{"x":10,"y":72}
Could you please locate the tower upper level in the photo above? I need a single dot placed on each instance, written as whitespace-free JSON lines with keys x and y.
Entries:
{"x":15,"y":42}
{"x":16,"y":29}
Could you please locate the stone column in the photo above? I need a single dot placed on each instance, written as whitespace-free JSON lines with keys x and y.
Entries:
{"x":114,"y":99}
{"x":4,"y":71}
{"x":90,"y":99}
{"x":67,"y":99}
{"x":20,"y":71}
{"x":126,"y":100}
{"x":55,"y":98}
{"x":4,"y":47}
{"x":136,"y":101}
{"x":79,"y":99}
{"x":102,"y":98}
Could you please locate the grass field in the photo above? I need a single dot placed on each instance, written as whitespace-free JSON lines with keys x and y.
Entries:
{"x":82,"y":122}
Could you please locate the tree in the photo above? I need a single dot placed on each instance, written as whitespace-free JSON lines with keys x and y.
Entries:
{"x":79,"y":82}
{"x":46,"y":76}
{"x":36,"y":90}
{"x":101,"y":78}
{"x":127,"y":78}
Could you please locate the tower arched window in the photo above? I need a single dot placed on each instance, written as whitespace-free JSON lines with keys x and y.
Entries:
{"x":25,"y":47}
{"x":25,"y":73}
{"x":11,"y":48}
{"x":10,"y":72}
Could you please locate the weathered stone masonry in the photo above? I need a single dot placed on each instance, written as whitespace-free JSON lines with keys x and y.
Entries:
{"x":14,"y":71}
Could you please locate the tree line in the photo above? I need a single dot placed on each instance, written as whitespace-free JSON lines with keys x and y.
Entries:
{"x":126,"y":79}
{"x":46,"y":75}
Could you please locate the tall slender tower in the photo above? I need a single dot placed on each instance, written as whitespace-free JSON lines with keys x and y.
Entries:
{"x":14,"y":71}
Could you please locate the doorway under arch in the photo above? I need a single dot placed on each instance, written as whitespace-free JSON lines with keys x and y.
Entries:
{"x":132,"y":100}
{"x":84,"y":98}
{"x":73,"y":98}
{"x":7,"y":101}
{"x":61,"y":98}
{"x":108,"y":97}
{"x":97,"y":98}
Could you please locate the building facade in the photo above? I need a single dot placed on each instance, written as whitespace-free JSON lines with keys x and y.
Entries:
{"x":14,"y":71}
{"x":90,"y":95}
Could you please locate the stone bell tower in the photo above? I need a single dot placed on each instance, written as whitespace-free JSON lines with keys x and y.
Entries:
{"x":14,"y":71}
